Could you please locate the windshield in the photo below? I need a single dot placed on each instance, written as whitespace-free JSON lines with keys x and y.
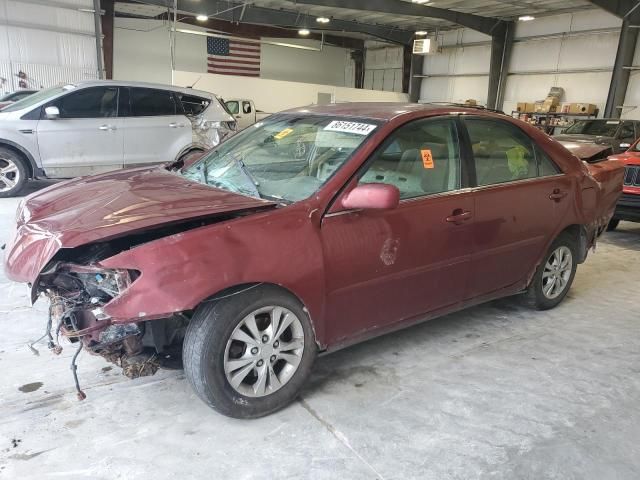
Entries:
{"x":36,"y":98}
{"x":603,"y":128}
{"x":286,"y":158}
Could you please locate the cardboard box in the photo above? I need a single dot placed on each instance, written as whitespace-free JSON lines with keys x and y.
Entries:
{"x":583,"y":108}
{"x":552,"y":101}
{"x":472,"y":102}
{"x":565,"y":108}
{"x":526,"y":107}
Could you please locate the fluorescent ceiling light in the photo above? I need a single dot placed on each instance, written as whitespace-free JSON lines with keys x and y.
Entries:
{"x":202,"y":18}
{"x":421,"y":33}
{"x":526,"y":18}
{"x":322,"y":20}
{"x":420,"y":1}
{"x":304,"y":31}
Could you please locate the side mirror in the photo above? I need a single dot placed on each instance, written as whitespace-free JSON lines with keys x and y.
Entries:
{"x":625,"y":145}
{"x":52,"y":112}
{"x":372,"y":196}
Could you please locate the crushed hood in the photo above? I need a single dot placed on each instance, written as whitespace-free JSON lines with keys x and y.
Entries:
{"x":107,"y":206}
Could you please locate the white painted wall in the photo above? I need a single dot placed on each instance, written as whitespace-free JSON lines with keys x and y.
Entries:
{"x":28,"y":43}
{"x":275,"y":95}
{"x":141,"y":52}
{"x":462,"y":72}
{"x":632,"y":100}
{"x":383,"y":67}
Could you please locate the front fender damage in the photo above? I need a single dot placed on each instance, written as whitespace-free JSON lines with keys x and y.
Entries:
{"x":79,"y":289}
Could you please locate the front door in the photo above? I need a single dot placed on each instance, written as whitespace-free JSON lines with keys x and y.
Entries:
{"x":386,"y":266}
{"x":86,"y":138}
{"x":520,"y":199}
{"x":156,"y":130}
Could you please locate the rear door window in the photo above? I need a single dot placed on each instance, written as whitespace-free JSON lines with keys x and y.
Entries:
{"x":148,"y":102}
{"x":503,"y":153}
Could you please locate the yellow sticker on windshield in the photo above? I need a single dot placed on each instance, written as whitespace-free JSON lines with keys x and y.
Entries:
{"x":283,"y":133}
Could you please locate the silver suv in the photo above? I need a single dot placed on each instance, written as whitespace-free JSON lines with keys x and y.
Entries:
{"x":95,"y":126}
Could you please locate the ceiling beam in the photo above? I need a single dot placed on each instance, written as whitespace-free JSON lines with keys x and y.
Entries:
{"x":625,"y":9}
{"x":231,"y":12}
{"x":486,"y":25}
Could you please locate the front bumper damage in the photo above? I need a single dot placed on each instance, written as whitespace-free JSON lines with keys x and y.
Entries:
{"x":77,"y":295}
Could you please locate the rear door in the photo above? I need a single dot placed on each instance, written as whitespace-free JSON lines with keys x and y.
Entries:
{"x":521,"y":197}
{"x":385,"y":266}
{"x":155,"y":128}
{"x":87,"y":137}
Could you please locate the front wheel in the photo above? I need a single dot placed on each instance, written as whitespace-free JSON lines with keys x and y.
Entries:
{"x":248,"y":355}
{"x":555,"y":274}
{"x":13,"y":173}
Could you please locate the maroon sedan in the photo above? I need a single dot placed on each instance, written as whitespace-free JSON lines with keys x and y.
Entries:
{"x":254,"y":260}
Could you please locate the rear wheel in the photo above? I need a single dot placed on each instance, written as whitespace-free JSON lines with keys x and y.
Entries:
{"x":13,"y":173}
{"x":555,"y":274}
{"x":249,"y":354}
{"x":613,"y":224}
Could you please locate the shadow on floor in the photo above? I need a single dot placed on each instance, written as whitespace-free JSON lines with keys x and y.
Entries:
{"x":35,"y":185}
{"x":627,"y":235}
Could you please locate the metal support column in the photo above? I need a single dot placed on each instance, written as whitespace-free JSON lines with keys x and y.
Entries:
{"x":621,"y":72}
{"x":501,"y":43}
{"x":417,"y":62}
{"x":97,"y":14}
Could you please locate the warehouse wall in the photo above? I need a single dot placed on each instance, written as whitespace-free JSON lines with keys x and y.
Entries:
{"x":632,"y":100}
{"x":141,"y":52}
{"x":383,"y":66}
{"x":49,"y":44}
{"x":274,"y":95}
{"x":578,"y":61}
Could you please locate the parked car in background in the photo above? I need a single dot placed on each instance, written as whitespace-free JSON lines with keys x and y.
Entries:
{"x":101,"y":125}
{"x":13,"y":97}
{"x":396,"y":214}
{"x":628,"y":207}
{"x":595,"y":139}
{"x":245,"y":112}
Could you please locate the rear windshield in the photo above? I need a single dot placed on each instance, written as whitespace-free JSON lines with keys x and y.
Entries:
{"x":603,"y":128}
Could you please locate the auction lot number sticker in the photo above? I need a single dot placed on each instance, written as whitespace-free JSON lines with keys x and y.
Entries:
{"x":350,"y":127}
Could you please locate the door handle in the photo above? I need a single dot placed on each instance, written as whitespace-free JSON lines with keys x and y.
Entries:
{"x":107,"y":127}
{"x":557,"y":195}
{"x":459,"y":216}
{"x":176,"y":125}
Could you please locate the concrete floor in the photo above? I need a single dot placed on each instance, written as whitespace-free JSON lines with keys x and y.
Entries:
{"x":496,"y":392}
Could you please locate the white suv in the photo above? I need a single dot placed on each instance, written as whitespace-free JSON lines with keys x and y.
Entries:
{"x":100,"y":125}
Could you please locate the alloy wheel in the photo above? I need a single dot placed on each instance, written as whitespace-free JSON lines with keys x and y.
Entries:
{"x":264,"y":351}
{"x":557,"y":272}
{"x":9,"y":174}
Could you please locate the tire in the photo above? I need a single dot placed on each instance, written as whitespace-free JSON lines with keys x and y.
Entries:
{"x":13,"y":173}
{"x":537,"y":295}
{"x":613,"y":224}
{"x":209,"y":352}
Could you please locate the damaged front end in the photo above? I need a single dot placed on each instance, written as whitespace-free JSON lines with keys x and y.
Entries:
{"x":77,"y":296}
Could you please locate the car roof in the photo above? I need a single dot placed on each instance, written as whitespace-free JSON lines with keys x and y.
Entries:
{"x":380,"y":110}
{"x":118,"y":83}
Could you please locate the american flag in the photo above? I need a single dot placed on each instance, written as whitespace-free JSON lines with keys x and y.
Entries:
{"x":233,"y":57}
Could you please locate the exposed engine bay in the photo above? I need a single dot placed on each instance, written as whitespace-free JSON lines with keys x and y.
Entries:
{"x":77,"y":294}
{"x":78,"y":287}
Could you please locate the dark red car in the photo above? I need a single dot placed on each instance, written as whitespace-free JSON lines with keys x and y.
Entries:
{"x":255,"y":260}
{"x":628,"y":207}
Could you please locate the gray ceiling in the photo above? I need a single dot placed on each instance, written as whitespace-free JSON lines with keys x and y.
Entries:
{"x":504,"y":9}
{"x":489,"y":8}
